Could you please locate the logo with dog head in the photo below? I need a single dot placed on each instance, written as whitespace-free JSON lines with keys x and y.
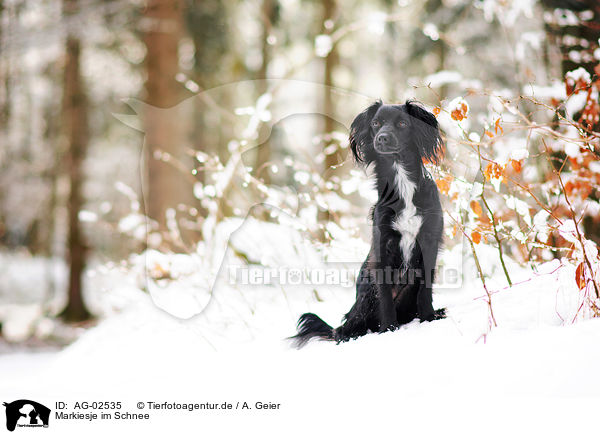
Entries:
{"x":26,"y":413}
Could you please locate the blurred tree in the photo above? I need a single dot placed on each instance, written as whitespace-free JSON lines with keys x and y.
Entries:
{"x":75,"y":118}
{"x":165,"y":183}
{"x":207,"y":24}
{"x":438,"y":19}
{"x":269,"y":15}
{"x":573,"y":26}
{"x":332,"y":152}
{"x":333,"y":156}
{"x":5,"y":87}
{"x":3,"y":117}
{"x":393,"y":61}
{"x":4,"y":107}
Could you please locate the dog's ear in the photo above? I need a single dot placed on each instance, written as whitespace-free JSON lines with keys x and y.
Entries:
{"x":361,"y":141}
{"x":426,"y":132}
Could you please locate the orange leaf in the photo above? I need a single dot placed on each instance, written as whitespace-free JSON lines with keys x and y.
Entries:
{"x":493,"y":170}
{"x":476,"y":207}
{"x":498,"y":127}
{"x":476,"y":237}
{"x":570,"y":186}
{"x":443,"y":186}
{"x":516,"y":165}
{"x":460,"y":112}
{"x":436,"y":111}
{"x":569,"y":88}
{"x":489,"y":134}
{"x":579,"y":276}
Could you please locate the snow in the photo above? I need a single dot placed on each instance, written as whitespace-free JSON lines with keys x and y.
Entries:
{"x":351,"y":184}
{"x":441,"y":78}
{"x":258,"y":113}
{"x":332,"y":202}
{"x":323,"y":45}
{"x":458,"y":374}
{"x":431,"y":30}
{"x":554,"y":90}
{"x":474,"y":137}
{"x":572,"y":149}
{"x":302,"y":177}
{"x":376,"y":22}
{"x":520,"y":207}
{"x":519,"y":154}
{"x":594,"y":166}
{"x":575,"y":103}
{"x":87,"y":216}
{"x":578,"y":74}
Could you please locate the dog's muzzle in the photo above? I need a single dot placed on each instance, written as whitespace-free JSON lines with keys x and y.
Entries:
{"x":385,"y":143}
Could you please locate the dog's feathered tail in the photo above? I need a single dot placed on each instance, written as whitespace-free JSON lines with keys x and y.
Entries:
{"x":311,"y":326}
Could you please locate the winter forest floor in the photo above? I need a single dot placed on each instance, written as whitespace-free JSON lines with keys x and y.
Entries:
{"x":534,"y":372}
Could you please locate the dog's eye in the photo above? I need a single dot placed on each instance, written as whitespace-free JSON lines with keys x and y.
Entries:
{"x":376,"y":124}
{"x":400,"y":124}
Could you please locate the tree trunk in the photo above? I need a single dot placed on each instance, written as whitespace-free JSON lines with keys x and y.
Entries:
{"x":331,"y":61}
{"x":4,"y":109}
{"x":165,"y":184}
{"x":334,"y":158}
{"x":76,"y":130}
{"x":5,"y":68}
{"x":263,"y":151}
{"x":576,"y":42}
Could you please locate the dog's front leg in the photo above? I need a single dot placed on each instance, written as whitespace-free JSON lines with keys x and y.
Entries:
{"x":387,"y":311}
{"x":425,"y":310}
{"x":380,"y":271}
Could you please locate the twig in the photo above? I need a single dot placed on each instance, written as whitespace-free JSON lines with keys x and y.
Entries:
{"x":496,"y":236}
{"x":479,"y":270}
{"x":576,"y":223}
{"x":528,"y":190}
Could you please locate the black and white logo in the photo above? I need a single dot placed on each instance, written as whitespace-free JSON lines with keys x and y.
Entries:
{"x":26,"y":413}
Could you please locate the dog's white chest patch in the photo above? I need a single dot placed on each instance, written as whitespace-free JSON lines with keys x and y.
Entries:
{"x":407,"y":222}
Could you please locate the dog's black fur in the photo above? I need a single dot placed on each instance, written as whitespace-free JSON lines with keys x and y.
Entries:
{"x":395,"y":282}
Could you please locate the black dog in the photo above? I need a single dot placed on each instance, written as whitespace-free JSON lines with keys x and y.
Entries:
{"x":395,"y":281}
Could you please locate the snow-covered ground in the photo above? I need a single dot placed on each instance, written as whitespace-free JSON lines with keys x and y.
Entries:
{"x":534,"y":372}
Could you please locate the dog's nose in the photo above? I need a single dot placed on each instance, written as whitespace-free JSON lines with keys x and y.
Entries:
{"x":383,"y":139}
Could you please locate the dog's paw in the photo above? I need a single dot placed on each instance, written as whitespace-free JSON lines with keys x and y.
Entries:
{"x":427,"y":316}
{"x":433,"y":315}
{"x":439,"y":313}
{"x":389,"y":328}
{"x":339,"y":336}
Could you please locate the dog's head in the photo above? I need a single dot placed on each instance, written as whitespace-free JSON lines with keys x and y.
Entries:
{"x":397,"y":132}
